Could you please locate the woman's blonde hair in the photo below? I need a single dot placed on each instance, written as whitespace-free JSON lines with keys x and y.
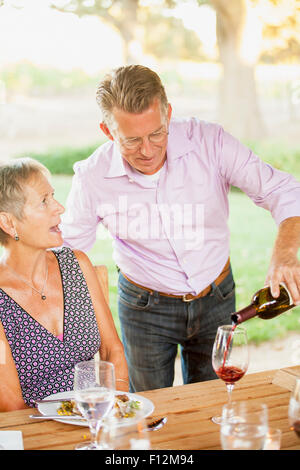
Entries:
{"x":131,"y":88}
{"x":13,"y":175}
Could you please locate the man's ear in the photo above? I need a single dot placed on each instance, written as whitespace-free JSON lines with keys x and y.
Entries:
{"x":106,"y":131}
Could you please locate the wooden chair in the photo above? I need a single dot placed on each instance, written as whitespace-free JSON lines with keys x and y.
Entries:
{"x":102,"y":274}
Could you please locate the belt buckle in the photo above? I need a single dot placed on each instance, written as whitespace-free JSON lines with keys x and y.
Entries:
{"x":184,"y":299}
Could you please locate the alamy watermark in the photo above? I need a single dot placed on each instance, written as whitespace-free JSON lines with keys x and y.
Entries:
{"x":142,"y":221}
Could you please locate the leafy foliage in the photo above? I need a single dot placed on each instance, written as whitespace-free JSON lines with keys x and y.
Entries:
{"x":168,"y":39}
{"x":60,"y":161}
{"x":24,"y":77}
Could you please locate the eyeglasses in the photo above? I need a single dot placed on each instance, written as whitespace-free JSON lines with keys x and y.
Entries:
{"x":135,"y":142}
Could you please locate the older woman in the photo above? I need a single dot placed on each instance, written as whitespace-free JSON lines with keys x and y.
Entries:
{"x":52,"y":310}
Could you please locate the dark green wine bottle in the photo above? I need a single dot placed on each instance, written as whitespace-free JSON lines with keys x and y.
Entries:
{"x":264,"y":305}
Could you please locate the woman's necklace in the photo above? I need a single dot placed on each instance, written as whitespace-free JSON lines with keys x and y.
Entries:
{"x":42,"y":292}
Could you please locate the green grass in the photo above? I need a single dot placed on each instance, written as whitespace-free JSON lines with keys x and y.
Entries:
{"x":279,"y":154}
{"x":252,"y":235}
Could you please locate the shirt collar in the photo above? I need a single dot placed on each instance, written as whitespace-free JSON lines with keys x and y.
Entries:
{"x":116,"y":167}
{"x":179,"y":144}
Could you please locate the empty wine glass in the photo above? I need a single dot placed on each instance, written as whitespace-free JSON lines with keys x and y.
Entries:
{"x":244,"y":426}
{"x":230,"y":357}
{"x":94,"y":387}
{"x":294,"y":409}
{"x":273,"y":439}
{"x":119,"y":433}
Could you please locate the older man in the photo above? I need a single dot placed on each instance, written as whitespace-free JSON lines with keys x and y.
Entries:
{"x":160,"y":186}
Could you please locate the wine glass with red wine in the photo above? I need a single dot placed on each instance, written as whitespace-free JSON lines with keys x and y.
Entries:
{"x":294,"y":409}
{"x":230,"y":357}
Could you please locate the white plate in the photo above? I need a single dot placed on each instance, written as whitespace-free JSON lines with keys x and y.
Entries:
{"x":146,"y":408}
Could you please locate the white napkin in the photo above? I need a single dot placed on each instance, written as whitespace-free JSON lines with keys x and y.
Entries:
{"x":11,"y":440}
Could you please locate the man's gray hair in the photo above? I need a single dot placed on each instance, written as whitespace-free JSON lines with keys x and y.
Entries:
{"x":14,"y":174}
{"x":131,"y":88}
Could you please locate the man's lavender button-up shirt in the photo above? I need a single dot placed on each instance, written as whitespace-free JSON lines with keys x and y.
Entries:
{"x":172,"y":235}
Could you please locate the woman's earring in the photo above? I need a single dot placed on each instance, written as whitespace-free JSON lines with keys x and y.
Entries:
{"x":16,"y":237}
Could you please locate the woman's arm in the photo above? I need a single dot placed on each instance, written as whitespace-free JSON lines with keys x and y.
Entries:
{"x":10,"y":389}
{"x":111,"y":346}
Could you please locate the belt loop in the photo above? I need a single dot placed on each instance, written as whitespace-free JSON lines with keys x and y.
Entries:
{"x":213,"y":288}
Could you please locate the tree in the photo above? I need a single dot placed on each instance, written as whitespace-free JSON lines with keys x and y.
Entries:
{"x":281,"y":32}
{"x":238,"y":103}
{"x":242,"y":25}
{"x":238,"y":38}
{"x":121,"y":14}
{"x":167,"y":38}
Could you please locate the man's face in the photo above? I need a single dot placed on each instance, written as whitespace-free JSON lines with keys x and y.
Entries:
{"x":143,"y":137}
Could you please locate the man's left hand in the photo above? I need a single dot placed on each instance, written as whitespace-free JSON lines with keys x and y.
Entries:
{"x":285,"y":265}
{"x":284,"y":268}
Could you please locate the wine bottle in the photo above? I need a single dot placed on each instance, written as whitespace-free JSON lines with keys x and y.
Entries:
{"x":264,"y":305}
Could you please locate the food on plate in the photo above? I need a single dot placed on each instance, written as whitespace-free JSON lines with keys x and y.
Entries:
{"x":68,"y":408}
{"x":126,"y":408}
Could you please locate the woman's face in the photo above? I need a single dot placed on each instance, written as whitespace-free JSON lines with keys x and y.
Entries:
{"x":41,"y":215}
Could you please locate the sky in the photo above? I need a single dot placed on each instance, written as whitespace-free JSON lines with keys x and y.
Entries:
{"x":49,"y":38}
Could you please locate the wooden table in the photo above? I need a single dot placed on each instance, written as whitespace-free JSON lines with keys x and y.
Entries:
{"x":188,"y":408}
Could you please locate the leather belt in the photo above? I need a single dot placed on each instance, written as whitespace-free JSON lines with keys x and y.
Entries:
{"x":188,"y":297}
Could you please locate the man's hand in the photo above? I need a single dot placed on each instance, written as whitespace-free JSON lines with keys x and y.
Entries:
{"x":286,"y":269}
{"x":285,"y":265}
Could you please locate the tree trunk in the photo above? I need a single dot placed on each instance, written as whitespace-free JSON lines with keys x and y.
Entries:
{"x":127,"y":24}
{"x":239,"y":46}
{"x":121,"y":14}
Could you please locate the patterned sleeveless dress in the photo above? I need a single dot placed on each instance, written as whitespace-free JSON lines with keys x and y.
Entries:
{"x":45,"y":364}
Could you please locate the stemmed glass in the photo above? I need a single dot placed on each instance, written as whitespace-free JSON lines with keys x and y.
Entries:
{"x":120,"y":433}
{"x":230,"y":357}
{"x":244,"y":426}
{"x":294,"y":409}
{"x":94,"y":386}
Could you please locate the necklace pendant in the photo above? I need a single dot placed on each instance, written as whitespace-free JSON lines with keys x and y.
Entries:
{"x":43,"y":297}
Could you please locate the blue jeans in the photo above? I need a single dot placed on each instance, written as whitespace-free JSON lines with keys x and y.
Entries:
{"x":153,"y":326}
